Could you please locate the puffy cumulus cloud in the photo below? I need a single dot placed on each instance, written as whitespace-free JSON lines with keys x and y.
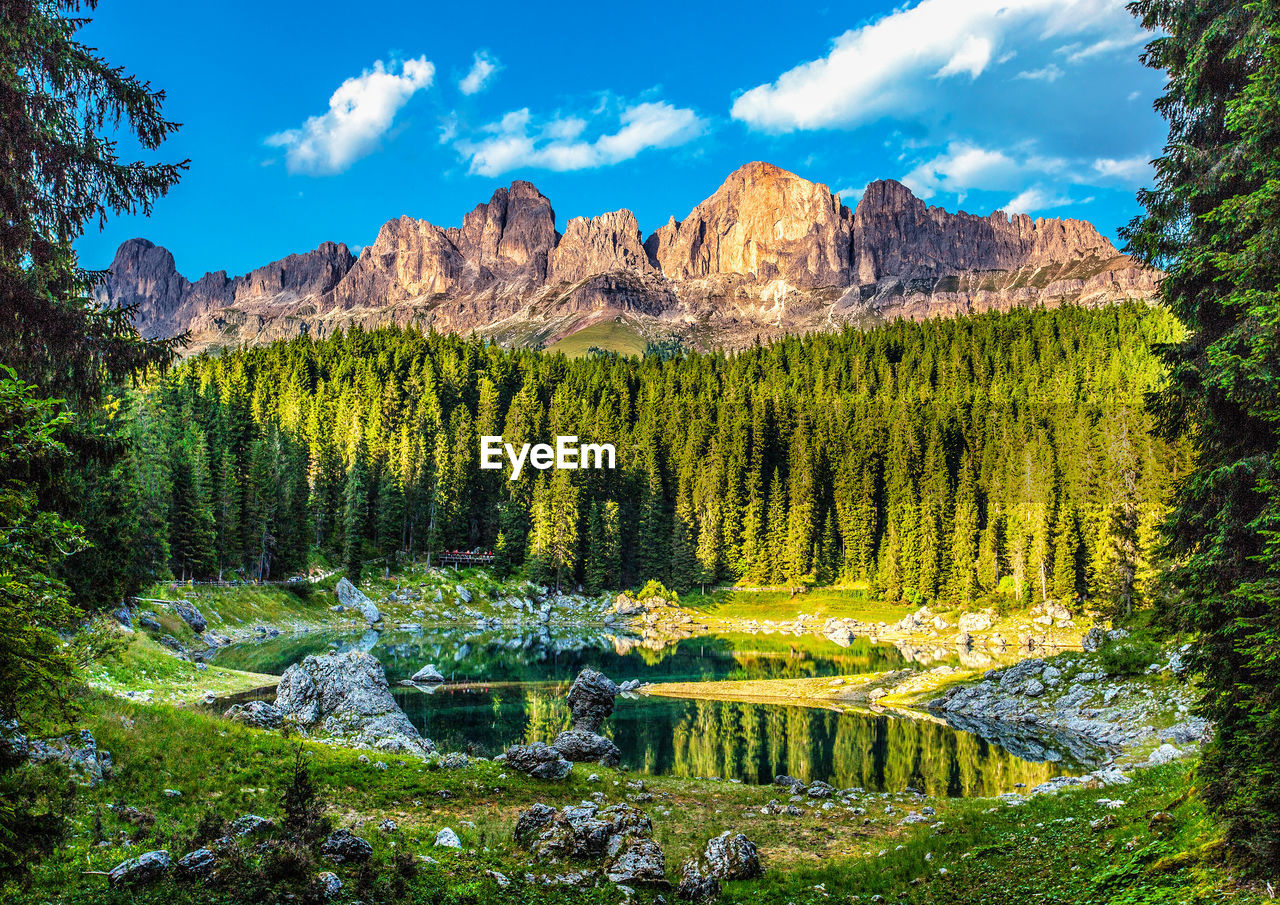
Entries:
{"x":892,"y":65}
{"x":963,"y":167}
{"x":360,"y":112}
{"x":563,"y":143}
{"x":483,"y":69}
{"x":1035,"y":199}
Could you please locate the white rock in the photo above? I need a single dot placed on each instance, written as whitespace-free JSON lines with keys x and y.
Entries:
{"x":1163,"y":755}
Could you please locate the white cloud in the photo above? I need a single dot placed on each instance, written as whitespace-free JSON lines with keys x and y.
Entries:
{"x":972,"y":57}
{"x":1050,"y":73}
{"x":558,"y":144}
{"x":482,"y":70}
{"x":360,"y":113}
{"x":1034,"y":199}
{"x":1130,"y":170}
{"x":963,"y":167}
{"x":887,"y":66}
{"x":851,"y":194}
{"x":1038,"y":181}
{"x":1077,"y":53}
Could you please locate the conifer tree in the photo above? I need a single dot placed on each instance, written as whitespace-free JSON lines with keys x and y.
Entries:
{"x":1066,"y":546}
{"x":686,"y":571}
{"x":1212,"y":224}
{"x":964,"y":538}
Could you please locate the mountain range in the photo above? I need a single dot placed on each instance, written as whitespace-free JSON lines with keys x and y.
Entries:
{"x":769,"y":253}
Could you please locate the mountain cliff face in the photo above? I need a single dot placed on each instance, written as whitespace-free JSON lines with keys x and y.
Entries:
{"x":768,"y":253}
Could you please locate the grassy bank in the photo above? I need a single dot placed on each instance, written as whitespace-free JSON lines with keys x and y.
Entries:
{"x":146,"y":669}
{"x":1156,"y":846}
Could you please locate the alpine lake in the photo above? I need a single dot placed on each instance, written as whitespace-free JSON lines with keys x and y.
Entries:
{"x":507,"y":686}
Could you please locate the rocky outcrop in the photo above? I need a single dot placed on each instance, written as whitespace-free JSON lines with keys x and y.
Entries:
{"x":591,"y":700}
{"x":352,"y":598}
{"x":143,"y":870}
{"x":896,"y":235}
{"x":258,"y":714}
{"x":511,"y":237}
{"x":697,"y":883}
{"x":145,"y":275}
{"x":590,"y":703}
{"x":597,"y":245}
{"x":198,"y":864}
{"x":343,"y":846}
{"x":191,"y":616}
{"x":88,"y":764}
{"x":580,"y":747}
{"x":1076,"y":704}
{"x":538,"y":760}
{"x":732,"y":856}
{"x":768,"y":253}
{"x":344,"y":696}
{"x":763,"y":223}
{"x":619,"y":837}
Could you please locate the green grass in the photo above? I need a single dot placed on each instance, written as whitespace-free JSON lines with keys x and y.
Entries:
{"x":145,"y":666}
{"x":611,"y":336}
{"x":1042,"y":851}
{"x":780,"y":605}
{"x":243,"y":607}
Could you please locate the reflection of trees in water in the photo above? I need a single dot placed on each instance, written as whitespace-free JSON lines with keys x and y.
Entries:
{"x":464,"y":654}
{"x":755,"y":742}
{"x":802,"y":662}
{"x":546,"y":713}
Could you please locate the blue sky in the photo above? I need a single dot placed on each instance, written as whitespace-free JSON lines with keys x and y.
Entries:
{"x":317,"y":121}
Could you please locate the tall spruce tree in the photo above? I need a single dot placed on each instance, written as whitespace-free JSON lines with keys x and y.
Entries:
{"x":1212,"y":223}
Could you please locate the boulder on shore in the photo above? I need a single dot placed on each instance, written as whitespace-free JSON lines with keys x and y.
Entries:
{"x":353,"y":598}
{"x":191,"y":616}
{"x":344,"y":696}
{"x":587,"y":747}
{"x":258,"y":714}
{"x":591,"y":700}
{"x":974,"y":622}
{"x":538,"y":760}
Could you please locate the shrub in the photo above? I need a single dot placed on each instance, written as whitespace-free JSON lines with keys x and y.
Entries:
{"x":657,"y":589}
{"x":1128,"y":656}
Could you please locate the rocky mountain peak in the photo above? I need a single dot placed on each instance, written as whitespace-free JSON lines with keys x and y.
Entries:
{"x":897,"y":234}
{"x":511,"y":236}
{"x":765,"y":223}
{"x":592,"y":245}
{"x":768,"y":251}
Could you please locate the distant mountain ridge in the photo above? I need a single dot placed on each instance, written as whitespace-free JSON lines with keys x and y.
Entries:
{"x":769,"y":253}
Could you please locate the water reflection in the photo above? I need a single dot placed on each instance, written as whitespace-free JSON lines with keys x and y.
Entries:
{"x":464,"y":655}
{"x":508,"y":686}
